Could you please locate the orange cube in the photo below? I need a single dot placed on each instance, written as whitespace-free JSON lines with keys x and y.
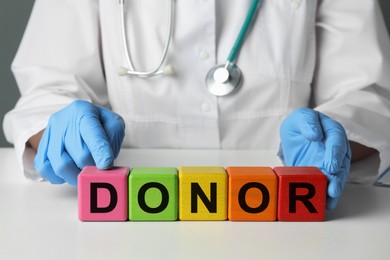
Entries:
{"x":252,"y":194}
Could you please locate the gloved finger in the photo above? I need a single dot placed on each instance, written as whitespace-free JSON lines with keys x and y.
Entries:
{"x":47,"y":173}
{"x":336,"y":144}
{"x":67,"y":169}
{"x":77,"y":149}
{"x":309,"y":124}
{"x":95,"y":138}
{"x":336,"y":183}
{"x":62,"y":164}
{"x":114,"y":127}
{"x":331,"y":203}
{"x":41,"y":162}
{"x":305,"y":122}
{"x":65,"y":128}
{"x":335,"y":187}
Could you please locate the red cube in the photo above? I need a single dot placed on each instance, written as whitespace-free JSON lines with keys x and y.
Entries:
{"x":301,"y":194}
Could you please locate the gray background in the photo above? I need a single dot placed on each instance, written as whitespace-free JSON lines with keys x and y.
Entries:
{"x":14,"y":15}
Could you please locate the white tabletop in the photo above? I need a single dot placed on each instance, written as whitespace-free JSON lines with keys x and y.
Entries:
{"x":39,"y":221}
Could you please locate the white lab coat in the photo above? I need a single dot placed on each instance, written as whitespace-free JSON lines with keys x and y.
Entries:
{"x":331,"y":55}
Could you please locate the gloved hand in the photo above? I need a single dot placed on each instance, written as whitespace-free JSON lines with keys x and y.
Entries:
{"x":310,"y":138}
{"x":79,"y":135}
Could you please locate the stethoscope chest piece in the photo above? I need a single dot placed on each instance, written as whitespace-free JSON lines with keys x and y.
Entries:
{"x":223,"y":79}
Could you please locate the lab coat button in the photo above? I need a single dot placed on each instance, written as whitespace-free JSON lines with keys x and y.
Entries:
{"x":294,"y":4}
{"x":206,"y":107}
{"x":203,"y":55}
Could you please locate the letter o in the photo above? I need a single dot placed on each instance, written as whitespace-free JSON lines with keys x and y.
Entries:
{"x":164,"y":199}
{"x":242,"y":195}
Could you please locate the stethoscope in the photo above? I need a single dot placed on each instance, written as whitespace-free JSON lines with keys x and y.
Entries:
{"x":221,"y":80}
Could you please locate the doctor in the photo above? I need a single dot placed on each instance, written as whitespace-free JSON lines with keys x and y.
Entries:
{"x":329,"y":56}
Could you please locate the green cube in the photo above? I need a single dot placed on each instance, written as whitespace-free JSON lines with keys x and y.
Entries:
{"x":153,"y":194}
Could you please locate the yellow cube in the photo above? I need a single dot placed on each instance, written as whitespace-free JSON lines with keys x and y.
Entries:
{"x":202,"y":193}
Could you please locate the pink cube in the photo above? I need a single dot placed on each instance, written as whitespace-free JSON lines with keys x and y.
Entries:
{"x":102,"y":194}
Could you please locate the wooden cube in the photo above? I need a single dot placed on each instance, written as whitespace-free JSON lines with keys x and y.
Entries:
{"x":252,"y":193}
{"x":102,"y":194}
{"x":301,"y":194}
{"x":202,"y":193}
{"x":153,"y":194}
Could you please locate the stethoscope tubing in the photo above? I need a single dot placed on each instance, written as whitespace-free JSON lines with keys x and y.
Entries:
{"x":157,"y":70}
{"x":224,"y":79}
{"x":244,"y":29}
{"x":221,"y":80}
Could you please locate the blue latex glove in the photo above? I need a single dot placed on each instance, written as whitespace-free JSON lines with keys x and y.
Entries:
{"x":310,"y":138}
{"x":79,"y":135}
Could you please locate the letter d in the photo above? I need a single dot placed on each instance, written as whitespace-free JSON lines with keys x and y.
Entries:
{"x":94,"y":197}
